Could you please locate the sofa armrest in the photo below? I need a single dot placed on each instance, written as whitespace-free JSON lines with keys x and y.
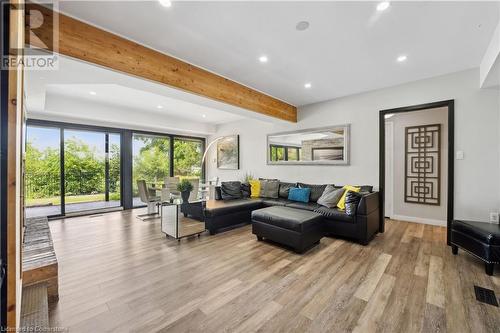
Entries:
{"x":368,"y":203}
{"x":218,"y":193}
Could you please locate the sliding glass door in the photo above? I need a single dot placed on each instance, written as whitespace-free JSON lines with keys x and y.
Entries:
{"x":74,"y":168}
{"x":187,"y":158}
{"x":151,"y":161}
{"x":71,"y":170}
{"x":43,"y":171}
{"x":88,"y":159}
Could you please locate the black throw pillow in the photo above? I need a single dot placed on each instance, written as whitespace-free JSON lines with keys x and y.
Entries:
{"x":285,"y":189}
{"x":316,"y":190}
{"x":231,"y":190}
{"x":245,"y":190}
{"x":352,"y":200}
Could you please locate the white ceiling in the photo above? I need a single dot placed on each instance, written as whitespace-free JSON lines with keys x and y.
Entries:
{"x":348,"y":48}
{"x":139,"y":100}
{"x":75,"y":79}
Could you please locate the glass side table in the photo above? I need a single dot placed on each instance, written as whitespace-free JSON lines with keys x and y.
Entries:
{"x":180,"y":220}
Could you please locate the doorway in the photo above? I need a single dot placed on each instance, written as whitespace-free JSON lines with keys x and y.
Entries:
{"x":414,"y":190}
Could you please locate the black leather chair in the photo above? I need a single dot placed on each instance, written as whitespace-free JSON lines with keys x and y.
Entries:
{"x":479,"y":239}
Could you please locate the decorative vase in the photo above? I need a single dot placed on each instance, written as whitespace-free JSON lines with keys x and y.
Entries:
{"x":185,"y":196}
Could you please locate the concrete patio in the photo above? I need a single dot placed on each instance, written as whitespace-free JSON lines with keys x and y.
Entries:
{"x":52,"y":210}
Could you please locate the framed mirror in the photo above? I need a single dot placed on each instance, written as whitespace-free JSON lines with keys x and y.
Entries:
{"x":318,"y":146}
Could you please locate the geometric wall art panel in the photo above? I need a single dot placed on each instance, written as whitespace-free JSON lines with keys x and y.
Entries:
{"x":423,"y":164}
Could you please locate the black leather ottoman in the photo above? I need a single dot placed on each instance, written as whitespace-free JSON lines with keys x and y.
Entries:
{"x":480,"y":239}
{"x":297,"y":228}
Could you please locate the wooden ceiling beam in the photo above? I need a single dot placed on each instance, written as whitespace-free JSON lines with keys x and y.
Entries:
{"x":89,"y":43}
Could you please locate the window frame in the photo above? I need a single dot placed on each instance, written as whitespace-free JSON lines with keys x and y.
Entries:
{"x":126,"y":162}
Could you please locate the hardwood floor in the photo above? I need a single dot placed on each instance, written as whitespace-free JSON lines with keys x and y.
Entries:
{"x":118,"y":273}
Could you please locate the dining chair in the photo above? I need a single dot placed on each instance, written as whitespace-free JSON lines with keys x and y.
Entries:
{"x":195,"y":193}
{"x":149,"y":197}
{"x":171,"y":184}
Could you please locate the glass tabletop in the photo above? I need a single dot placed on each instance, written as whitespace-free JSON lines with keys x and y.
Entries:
{"x":178,"y":202}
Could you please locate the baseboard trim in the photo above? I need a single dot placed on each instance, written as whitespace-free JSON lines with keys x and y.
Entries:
{"x":419,"y":220}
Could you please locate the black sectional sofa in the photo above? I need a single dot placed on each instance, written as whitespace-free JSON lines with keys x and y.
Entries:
{"x":221,"y":214}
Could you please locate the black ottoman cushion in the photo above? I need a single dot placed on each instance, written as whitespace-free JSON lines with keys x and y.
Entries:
{"x":485,"y":232}
{"x":297,"y":228}
{"x":480,"y":239}
{"x":287,"y":218}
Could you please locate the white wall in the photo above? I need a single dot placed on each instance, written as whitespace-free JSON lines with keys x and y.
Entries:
{"x":411,"y":211}
{"x":476,"y":133}
{"x":489,"y":69}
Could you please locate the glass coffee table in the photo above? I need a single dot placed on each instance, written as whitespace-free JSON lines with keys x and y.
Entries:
{"x":180,"y":220}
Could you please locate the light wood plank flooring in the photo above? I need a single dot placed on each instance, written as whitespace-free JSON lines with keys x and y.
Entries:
{"x":118,"y":273}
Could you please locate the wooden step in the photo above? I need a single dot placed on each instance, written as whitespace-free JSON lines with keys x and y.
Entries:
{"x":39,"y":258}
{"x":35,"y":308}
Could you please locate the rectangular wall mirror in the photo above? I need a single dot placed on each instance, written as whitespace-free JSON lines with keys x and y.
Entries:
{"x":318,"y":146}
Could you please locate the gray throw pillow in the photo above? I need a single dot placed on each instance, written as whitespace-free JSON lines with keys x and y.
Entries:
{"x":269,"y":189}
{"x":330,"y":196}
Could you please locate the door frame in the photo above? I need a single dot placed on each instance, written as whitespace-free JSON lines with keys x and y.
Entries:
{"x":391,"y":170}
{"x":4,"y":128}
{"x":450,"y":104}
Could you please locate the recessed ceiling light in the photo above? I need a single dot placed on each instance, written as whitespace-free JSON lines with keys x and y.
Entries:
{"x":302,"y":25}
{"x":166,"y":3}
{"x":159,"y":106}
{"x":383,"y":6}
{"x":93,"y":93}
{"x":307,"y":85}
{"x":204,"y":115}
{"x":263,"y":59}
{"x":402,"y":58}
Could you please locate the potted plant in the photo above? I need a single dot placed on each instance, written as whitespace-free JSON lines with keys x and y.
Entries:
{"x":185,"y":187}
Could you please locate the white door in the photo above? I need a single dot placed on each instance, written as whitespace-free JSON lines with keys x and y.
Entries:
{"x":389,"y":169}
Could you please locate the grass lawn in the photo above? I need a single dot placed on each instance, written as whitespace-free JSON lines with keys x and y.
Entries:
{"x":72,"y":199}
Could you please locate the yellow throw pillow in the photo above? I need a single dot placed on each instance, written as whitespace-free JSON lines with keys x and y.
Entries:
{"x":254,"y":188}
{"x":347,"y":188}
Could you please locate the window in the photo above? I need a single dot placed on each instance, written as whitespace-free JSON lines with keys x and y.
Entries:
{"x":293,"y":154}
{"x":284,"y":153}
{"x":187,"y":158}
{"x":73,"y":168}
{"x":151,"y":161}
